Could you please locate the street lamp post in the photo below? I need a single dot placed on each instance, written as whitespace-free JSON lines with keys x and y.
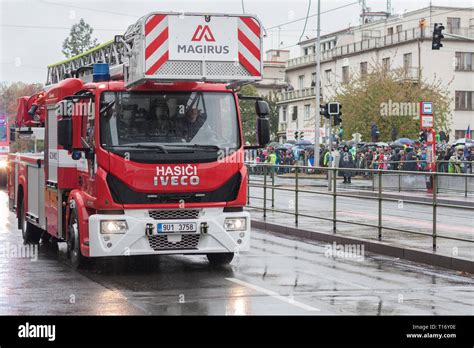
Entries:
{"x":317,"y":89}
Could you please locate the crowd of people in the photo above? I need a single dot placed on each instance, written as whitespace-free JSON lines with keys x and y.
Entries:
{"x":414,"y":157}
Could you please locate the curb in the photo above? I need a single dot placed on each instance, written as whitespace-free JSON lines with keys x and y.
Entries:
{"x":457,"y":264}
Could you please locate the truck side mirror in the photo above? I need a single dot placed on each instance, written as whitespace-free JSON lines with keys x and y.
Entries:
{"x":65,"y":133}
{"x":263,"y":131}
{"x":261,"y":108}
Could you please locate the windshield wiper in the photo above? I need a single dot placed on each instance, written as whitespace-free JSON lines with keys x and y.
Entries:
{"x":107,"y":106}
{"x":144,"y":146}
{"x":195,"y":146}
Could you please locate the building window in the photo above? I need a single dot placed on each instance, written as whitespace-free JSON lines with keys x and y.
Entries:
{"x":345,"y":74}
{"x":464,"y":61}
{"x":305,"y":50}
{"x":386,"y":64}
{"x":453,"y":24}
{"x":301,"y":82}
{"x":283,"y":114}
{"x":407,"y":61}
{"x":294,"y":115}
{"x":464,"y":100}
{"x":461,"y":133}
{"x":390,"y":31}
{"x":313,"y":79}
{"x":307,"y":111}
{"x":363,"y":69}
{"x":327,"y":76}
{"x":314,"y":49}
{"x":399,"y":28}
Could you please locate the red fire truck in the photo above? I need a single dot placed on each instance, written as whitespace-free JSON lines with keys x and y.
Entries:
{"x":143,"y":142}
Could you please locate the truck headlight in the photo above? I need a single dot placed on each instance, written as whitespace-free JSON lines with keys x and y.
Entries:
{"x":113,"y":226}
{"x":3,"y":164}
{"x":235,"y":224}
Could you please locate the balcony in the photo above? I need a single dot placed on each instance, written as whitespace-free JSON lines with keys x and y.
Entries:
{"x":304,"y":93}
{"x":410,"y":74}
{"x":357,"y":47}
{"x":282,"y":127}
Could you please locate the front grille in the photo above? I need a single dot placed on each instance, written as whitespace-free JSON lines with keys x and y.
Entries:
{"x":174,"y":214}
{"x":188,"y":241}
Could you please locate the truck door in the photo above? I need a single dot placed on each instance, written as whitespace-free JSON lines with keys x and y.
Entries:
{"x":52,"y":199}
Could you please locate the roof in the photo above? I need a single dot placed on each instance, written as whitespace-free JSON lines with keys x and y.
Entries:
{"x":393,"y":18}
{"x":175,"y":86}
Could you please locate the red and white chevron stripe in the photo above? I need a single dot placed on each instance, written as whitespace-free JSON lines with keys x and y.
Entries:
{"x":249,"y":44}
{"x":156,"y":42}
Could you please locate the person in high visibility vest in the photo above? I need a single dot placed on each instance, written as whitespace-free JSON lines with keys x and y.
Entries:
{"x":271,"y":159}
{"x":327,"y":159}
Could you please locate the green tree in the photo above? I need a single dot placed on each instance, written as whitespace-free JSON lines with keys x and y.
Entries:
{"x":249,"y":117}
{"x":9,"y":94}
{"x":272,"y":100}
{"x":376,"y":97}
{"x":79,"y":39}
{"x":247,"y":114}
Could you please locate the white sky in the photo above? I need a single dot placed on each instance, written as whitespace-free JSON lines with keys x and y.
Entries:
{"x":32,"y":31}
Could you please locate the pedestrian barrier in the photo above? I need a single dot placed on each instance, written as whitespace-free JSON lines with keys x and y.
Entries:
{"x":433,"y":178}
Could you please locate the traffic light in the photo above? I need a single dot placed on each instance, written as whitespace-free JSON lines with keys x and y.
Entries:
{"x":324,"y":110}
{"x":437,"y":36}
{"x":301,"y":135}
{"x":338,"y":117}
{"x":296,"y":135}
{"x":333,"y":108}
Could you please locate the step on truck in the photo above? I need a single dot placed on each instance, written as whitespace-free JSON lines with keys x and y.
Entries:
{"x":144,"y":150}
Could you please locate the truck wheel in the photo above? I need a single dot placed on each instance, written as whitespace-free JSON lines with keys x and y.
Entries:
{"x":219,"y":259}
{"x":31,"y":233}
{"x":74,"y":244}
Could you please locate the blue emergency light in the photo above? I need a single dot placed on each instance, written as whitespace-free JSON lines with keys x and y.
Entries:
{"x":100,"y":72}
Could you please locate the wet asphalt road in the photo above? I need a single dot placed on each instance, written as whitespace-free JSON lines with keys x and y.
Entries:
{"x":278,"y":276}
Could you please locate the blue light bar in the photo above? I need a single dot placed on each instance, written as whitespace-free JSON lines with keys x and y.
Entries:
{"x":100,"y":72}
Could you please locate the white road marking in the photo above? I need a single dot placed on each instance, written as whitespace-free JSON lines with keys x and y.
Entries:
{"x":273,"y":294}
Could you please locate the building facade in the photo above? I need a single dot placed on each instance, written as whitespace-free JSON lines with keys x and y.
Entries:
{"x":274,"y":67}
{"x":393,"y":43}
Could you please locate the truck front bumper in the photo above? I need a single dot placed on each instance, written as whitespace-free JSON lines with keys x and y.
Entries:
{"x":210,"y":237}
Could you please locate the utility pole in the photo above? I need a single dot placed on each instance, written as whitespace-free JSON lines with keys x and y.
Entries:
{"x":317,"y":89}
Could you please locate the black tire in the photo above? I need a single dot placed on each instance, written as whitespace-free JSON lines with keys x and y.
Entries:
{"x":31,"y":234}
{"x":219,"y":259}
{"x":73,"y":243}
{"x":50,"y":241}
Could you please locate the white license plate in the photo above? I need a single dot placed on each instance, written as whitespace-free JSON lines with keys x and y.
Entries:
{"x":177,"y":227}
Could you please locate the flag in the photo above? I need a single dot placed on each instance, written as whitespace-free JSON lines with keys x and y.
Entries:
{"x":468,"y":132}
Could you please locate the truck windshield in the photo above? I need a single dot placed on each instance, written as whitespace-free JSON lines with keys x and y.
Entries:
{"x":201,"y":120}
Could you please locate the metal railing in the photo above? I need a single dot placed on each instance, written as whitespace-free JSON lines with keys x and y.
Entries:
{"x":268,"y":171}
